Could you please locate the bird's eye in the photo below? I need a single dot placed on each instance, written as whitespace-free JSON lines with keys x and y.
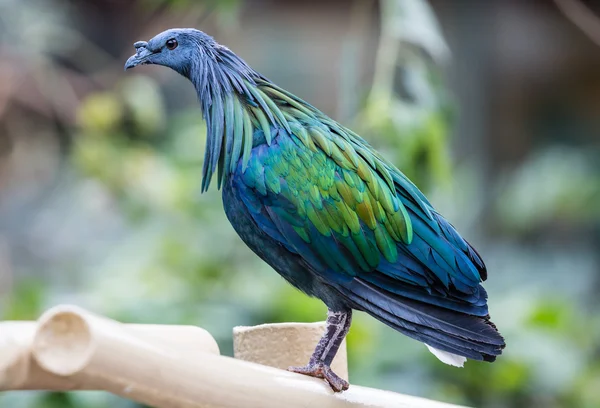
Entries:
{"x":172,"y":44}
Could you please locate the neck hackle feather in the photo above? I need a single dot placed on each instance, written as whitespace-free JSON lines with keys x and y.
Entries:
{"x":236,"y":100}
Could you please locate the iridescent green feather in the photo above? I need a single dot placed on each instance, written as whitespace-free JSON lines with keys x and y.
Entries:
{"x":275,"y":110}
{"x":335,"y":183}
{"x":248,"y":136}
{"x":264,"y":123}
{"x":238,"y":135}
{"x":225,"y":159}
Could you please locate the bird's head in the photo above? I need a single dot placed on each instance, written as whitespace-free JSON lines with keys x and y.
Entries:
{"x":177,"y":48}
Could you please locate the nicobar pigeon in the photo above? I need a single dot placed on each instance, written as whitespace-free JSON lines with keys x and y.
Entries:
{"x":324,"y":209}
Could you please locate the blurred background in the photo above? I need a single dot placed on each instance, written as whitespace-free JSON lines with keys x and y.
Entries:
{"x":492,"y":108}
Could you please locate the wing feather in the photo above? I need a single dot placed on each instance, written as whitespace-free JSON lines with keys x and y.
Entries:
{"x":330,"y":198}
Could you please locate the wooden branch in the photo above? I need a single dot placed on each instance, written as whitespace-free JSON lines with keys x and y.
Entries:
{"x":162,"y":366}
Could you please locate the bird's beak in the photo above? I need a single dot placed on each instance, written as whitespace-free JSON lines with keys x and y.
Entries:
{"x":140,"y":57}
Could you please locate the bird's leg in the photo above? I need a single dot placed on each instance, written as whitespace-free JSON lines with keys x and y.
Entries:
{"x":319,"y":365}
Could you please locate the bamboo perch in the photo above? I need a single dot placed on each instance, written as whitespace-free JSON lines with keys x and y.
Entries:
{"x":96,"y":353}
{"x":20,"y":371}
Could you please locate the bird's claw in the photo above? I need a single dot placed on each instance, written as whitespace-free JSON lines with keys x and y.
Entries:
{"x":325,"y":372}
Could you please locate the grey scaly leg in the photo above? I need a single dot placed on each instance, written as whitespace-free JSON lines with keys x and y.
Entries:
{"x":337,"y":326}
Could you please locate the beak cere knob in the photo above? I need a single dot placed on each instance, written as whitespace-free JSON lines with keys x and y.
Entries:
{"x":140,"y":44}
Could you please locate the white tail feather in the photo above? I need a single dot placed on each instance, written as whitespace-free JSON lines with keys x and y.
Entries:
{"x":448,"y":358}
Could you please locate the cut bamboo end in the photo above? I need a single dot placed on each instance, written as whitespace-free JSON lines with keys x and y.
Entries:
{"x":282,"y":345}
{"x":68,"y":336}
{"x":64,"y":342}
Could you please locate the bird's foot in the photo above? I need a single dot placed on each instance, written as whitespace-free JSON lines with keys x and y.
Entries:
{"x":320,"y":370}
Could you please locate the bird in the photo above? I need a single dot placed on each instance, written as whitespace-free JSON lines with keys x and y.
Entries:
{"x":328,"y":212}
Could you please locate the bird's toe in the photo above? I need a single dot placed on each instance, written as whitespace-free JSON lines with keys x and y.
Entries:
{"x":325,"y":372}
{"x":312,"y":370}
{"x":337,"y":383}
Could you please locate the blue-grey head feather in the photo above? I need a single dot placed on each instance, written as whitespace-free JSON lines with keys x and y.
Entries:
{"x":215,"y":72}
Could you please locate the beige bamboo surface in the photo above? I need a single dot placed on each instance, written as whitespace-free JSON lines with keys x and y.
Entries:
{"x":282,"y":345}
{"x":20,"y":371}
{"x":165,"y":366}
